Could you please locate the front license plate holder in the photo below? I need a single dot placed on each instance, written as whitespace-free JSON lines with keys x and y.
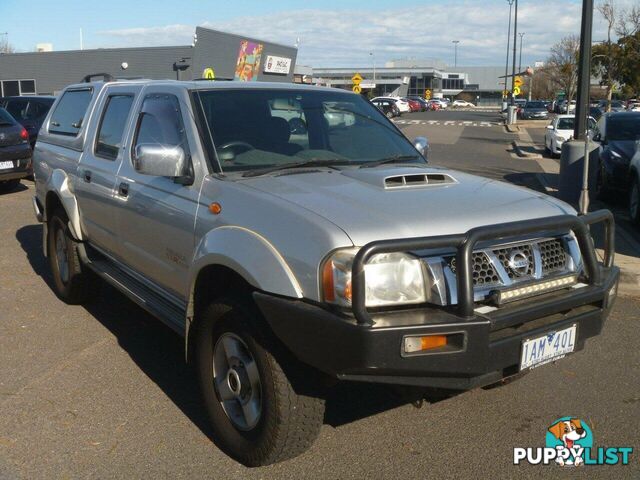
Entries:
{"x":549,"y":347}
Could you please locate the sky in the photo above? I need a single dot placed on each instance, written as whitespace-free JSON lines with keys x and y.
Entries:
{"x":330,"y":32}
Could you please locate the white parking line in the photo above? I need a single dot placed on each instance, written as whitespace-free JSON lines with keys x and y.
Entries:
{"x":447,"y":123}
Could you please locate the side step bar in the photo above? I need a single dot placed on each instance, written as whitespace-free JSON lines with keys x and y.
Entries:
{"x":172,"y":314}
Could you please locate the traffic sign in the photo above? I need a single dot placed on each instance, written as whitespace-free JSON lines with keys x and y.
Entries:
{"x":516,"y":91}
{"x":356,"y":79}
{"x":427,"y":94}
{"x":357,"y":89}
{"x":505,"y":93}
{"x":517,"y":82}
{"x":209,"y":74}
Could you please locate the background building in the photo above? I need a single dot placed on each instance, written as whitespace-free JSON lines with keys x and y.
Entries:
{"x":481,"y":85}
{"x":228,"y":55}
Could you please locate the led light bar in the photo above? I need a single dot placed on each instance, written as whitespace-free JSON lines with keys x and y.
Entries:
{"x":512,"y":294}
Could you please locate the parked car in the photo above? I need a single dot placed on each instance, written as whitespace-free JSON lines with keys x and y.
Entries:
{"x":634,"y":107}
{"x":29,"y":112}
{"x":388,"y":107}
{"x":462,"y":103}
{"x":534,"y":110}
{"x":442,"y":105}
{"x":414,"y":105}
{"x":615,"y":106}
{"x":560,"y":130}
{"x":289,"y":264}
{"x":617,"y":135}
{"x":634,"y":188}
{"x":402,"y":105}
{"x":564,"y":107}
{"x":595,"y":112}
{"x":424,"y":105}
{"x":15,"y":152}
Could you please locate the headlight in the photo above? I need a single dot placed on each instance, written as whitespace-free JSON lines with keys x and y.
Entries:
{"x":390,"y":279}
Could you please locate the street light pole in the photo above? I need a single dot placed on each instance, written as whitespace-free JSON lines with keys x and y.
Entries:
{"x":515,"y":38}
{"x":520,"y":61}
{"x":506,"y":65}
{"x":374,"y":66}
{"x":455,"y":49}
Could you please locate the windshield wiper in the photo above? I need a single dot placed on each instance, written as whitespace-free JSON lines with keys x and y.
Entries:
{"x":394,"y":159}
{"x":314,"y":162}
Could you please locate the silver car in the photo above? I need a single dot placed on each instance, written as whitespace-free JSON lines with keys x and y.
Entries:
{"x":296,"y":238}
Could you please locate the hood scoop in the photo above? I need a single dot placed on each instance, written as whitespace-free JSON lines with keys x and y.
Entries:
{"x":418,"y":180}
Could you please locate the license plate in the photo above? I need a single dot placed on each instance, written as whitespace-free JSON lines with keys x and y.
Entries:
{"x":6,"y":165}
{"x":547,"y":348}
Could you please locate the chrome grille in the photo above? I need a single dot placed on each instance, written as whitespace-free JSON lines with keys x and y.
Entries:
{"x":492,"y":265}
{"x":553,"y":256}
{"x":483,"y":271}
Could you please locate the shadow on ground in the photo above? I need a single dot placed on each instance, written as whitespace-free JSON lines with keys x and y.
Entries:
{"x":159,"y":353}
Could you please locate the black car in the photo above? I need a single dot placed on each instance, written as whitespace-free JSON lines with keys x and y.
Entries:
{"x":15,"y":152}
{"x":424,"y":105}
{"x":387,"y":107}
{"x":595,"y":112}
{"x":29,"y":112}
{"x":534,"y":110}
{"x":617,"y":133}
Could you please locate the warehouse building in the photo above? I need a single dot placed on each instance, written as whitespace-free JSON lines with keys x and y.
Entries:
{"x":212,"y":53}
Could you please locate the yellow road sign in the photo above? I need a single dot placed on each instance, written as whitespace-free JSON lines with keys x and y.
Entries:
{"x":518,"y":82}
{"x":357,"y":89}
{"x":356,"y":79}
{"x":516,"y":91}
{"x":427,"y":94}
{"x":209,"y":74}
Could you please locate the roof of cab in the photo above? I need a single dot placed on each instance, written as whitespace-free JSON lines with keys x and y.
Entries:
{"x":211,"y":85}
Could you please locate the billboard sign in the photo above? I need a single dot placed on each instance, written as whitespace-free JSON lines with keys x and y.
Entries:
{"x":278,"y":65}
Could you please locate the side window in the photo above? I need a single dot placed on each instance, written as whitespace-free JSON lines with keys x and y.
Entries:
{"x":112,"y":125}
{"x":69,"y":114}
{"x":18,"y":109}
{"x":160,"y":122}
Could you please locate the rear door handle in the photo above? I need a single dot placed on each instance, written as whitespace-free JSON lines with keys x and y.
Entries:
{"x":87,"y":176}
{"x":123,"y":189}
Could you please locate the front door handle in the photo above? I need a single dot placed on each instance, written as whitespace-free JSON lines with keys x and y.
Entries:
{"x":87,"y":176}
{"x":123,"y":189}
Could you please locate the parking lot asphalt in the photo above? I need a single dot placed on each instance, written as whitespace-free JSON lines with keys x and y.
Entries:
{"x":101,"y":391}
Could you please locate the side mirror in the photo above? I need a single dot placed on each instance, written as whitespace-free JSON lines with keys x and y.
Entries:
{"x":549,"y":127}
{"x":421,"y":144}
{"x":160,"y":160}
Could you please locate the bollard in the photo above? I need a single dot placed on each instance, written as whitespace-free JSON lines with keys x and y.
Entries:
{"x":571,"y":170}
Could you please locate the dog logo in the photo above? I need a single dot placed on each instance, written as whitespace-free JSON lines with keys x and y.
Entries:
{"x":571,"y":435}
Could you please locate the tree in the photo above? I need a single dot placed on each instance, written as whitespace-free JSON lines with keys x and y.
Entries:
{"x":5,"y":46}
{"x":606,"y":56}
{"x":562,"y":65}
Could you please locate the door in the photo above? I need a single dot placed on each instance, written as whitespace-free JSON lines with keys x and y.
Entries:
{"x":97,"y":170}
{"x":157,"y":213}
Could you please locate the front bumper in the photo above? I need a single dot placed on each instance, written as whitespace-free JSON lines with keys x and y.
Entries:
{"x":368,"y":346}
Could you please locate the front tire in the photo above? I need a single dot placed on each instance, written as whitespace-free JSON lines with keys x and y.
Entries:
{"x":73,"y":282}
{"x":259,"y":414}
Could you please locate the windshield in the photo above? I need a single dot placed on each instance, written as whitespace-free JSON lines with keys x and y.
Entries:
{"x":535,"y":105}
{"x":255,"y":129}
{"x":623,"y":127}
{"x":565,"y":124}
{"x":5,"y":118}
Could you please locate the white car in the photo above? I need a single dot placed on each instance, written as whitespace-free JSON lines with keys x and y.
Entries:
{"x":462,"y":103}
{"x":559,"y":131}
{"x":402,"y":105}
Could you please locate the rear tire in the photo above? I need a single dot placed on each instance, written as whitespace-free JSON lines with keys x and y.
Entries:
{"x":259,"y":414}
{"x":73,"y":282}
{"x":9,"y":185}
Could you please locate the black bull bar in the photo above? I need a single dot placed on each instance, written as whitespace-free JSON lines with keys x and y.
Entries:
{"x":464,"y":244}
